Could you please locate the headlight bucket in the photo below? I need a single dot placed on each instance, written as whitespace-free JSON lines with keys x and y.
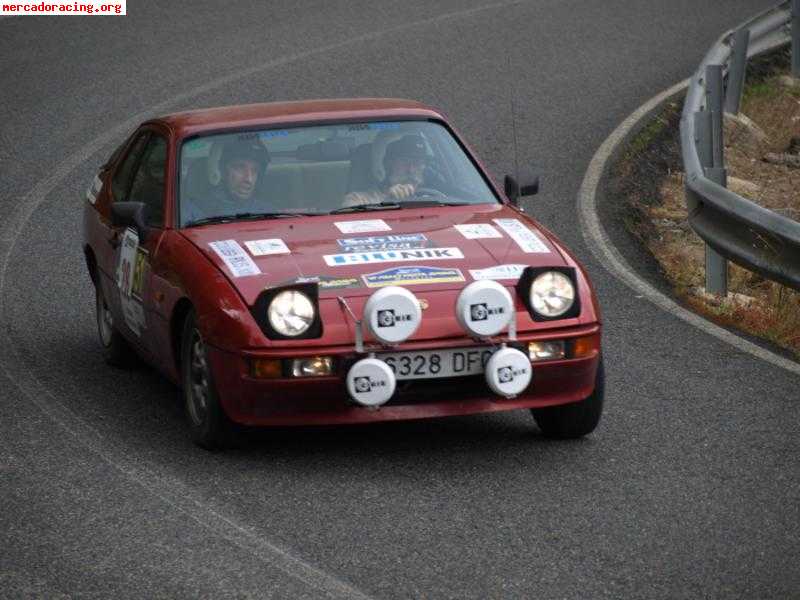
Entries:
{"x":530,"y":274}
{"x":260,"y":311}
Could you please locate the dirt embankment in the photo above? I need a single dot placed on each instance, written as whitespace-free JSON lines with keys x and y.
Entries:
{"x":762,"y":155}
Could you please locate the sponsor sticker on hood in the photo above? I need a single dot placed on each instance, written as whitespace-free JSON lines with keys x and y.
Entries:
{"x":365,"y":258}
{"x":235,"y":258}
{"x":477,"y":231}
{"x":325,"y":282}
{"x":264,"y":247}
{"x":498,"y":272}
{"x":365,"y":226}
{"x":411,"y":276}
{"x":526,"y":239}
{"x":402,"y":241}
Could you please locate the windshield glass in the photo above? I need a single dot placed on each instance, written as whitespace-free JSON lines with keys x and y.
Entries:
{"x":318,"y":170}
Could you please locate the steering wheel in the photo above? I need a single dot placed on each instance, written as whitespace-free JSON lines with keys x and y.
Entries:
{"x":429,"y":192}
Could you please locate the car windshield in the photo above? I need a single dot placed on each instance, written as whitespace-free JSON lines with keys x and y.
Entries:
{"x":336,"y":168}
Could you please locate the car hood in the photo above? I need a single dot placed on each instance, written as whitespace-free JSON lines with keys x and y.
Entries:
{"x":351,"y":256}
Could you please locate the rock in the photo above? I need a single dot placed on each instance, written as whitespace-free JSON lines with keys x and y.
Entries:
{"x":742,"y":120}
{"x":744,"y":134}
{"x":743,"y":187}
{"x":794,"y":146}
{"x":789,"y":160}
{"x":665,"y":223}
{"x":732,"y":299}
{"x":790,"y":82}
{"x":788,"y":212}
{"x":741,"y":299}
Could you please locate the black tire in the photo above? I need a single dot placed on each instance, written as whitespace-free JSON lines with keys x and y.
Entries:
{"x":209,"y":426}
{"x":116,"y":350}
{"x":575,"y":420}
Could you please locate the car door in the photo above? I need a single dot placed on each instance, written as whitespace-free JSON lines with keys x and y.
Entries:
{"x":108,"y":247}
{"x":136,"y":249}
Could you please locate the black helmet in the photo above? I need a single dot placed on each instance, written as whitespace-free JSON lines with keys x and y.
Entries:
{"x":408,"y":146}
{"x":245,"y":150}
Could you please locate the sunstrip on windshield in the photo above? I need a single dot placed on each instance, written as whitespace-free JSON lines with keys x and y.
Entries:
{"x":527,"y":240}
{"x":236,"y":259}
{"x":364,"y":258}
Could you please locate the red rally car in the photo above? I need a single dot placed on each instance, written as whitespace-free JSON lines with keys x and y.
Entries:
{"x":336,"y":261}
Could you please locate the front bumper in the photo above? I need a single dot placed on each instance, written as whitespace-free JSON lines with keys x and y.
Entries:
{"x":324,"y":400}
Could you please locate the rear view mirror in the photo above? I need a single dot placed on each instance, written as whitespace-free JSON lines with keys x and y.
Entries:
{"x":529,"y":186}
{"x":130,"y":214}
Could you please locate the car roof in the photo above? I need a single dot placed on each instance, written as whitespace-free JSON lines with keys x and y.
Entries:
{"x":276,"y":113}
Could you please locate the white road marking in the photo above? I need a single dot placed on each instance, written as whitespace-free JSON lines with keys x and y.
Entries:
{"x":603,"y":249}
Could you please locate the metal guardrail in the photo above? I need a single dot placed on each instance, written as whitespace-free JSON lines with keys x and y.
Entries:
{"x":733,"y":227}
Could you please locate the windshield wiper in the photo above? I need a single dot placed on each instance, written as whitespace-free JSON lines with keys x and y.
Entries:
{"x":366,"y":207}
{"x":431,"y":202}
{"x":245,"y":216}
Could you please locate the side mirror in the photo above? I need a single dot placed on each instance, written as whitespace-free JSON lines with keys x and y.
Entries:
{"x":529,"y":187}
{"x":130,"y":214}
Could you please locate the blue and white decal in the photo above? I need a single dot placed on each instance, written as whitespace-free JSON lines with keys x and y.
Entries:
{"x":365,"y":258}
{"x":401,"y":241}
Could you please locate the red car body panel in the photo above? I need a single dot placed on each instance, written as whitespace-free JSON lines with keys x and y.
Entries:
{"x":183,"y":272}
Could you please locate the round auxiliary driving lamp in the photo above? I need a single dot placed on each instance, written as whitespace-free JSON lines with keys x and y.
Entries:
{"x":484,"y":309}
{"x":391,"y":315}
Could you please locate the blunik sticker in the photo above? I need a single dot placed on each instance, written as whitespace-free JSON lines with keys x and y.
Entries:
{"x":363,"y":258}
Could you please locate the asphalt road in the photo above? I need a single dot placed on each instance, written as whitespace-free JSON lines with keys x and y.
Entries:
{"x":689,"y":488}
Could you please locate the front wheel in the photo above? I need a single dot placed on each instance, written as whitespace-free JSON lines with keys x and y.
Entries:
{"x":209,"y":427}
{"x":116,"y":350}
{"x":575,"y":420}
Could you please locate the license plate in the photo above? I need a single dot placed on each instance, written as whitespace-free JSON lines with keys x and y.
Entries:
{"x":429,"y":364}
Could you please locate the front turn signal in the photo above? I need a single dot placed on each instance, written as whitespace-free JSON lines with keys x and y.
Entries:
{"x":266,"y":368}
{"x":585,"y":346}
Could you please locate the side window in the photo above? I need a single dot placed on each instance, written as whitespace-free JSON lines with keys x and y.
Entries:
{"x":122,"y":177}
{"x":148,"y":184}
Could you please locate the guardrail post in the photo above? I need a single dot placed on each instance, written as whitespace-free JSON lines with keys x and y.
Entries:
{"x":716,"y":265}
{"x":736,"y":73}
{"x":796,"y":38}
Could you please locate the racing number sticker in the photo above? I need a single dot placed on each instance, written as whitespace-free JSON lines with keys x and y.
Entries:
{"x":131,"y":272}
{"x":127,"y":257}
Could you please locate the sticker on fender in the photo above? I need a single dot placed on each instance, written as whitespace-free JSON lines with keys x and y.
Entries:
{"x":235,"y":258}
{"x":526,"y":239}
{"x":365,"y":258}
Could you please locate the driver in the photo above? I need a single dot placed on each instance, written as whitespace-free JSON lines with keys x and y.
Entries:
{"x":242,"y":163}
{"x":403,"y":164}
